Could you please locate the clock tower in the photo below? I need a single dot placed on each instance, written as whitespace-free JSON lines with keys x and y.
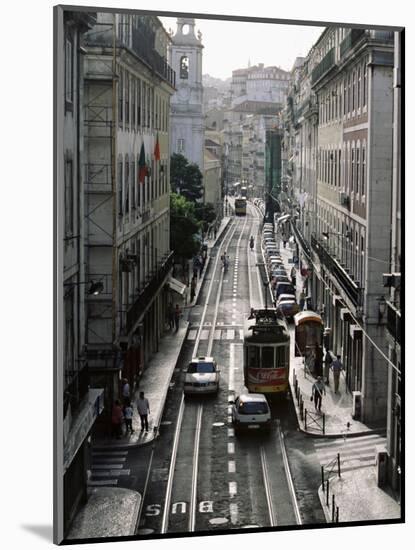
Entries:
{"x":187,"y":121}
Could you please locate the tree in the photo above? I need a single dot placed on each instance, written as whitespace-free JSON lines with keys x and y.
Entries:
{"x":184,"y":227}
{"x":185,"y":179}
{"x":205,"y":213}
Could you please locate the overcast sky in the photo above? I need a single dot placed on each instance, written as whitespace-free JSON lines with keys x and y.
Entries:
{"x":230,"y":44}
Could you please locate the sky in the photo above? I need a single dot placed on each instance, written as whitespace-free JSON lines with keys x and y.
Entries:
{"x":230,"y":45}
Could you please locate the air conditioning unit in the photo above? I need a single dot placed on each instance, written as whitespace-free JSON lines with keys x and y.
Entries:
{"x":392,"y":280}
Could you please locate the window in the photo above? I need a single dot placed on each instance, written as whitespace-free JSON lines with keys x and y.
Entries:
{"x":139,"y":102}
{"x":359,"y":81}
{"x":364,"y":101}
{"x":363,"y":182}
{"x":180,"y":146}
{"x":267,"y":357}
{"x":133,"y":186}
{"x":344,"y":97}
{"x":120,"y":184}
{"x":133,"y":103}
{"x":354,"y":91}
{"x":127,"y":98}
{"x":149,"y":107}
{"x":349,"y":93}
{"x":357,"y":168}
{"x":69,"y":212}
{"x":69,"y":70}
{"x":120,"y":97}
{"x":140,"y":185}
{"x":184,"y":67}
{"x":127,"y":186}
{"x":352,"y":170}
{"x":144,"y":105}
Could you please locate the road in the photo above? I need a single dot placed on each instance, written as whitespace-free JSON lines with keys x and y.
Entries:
{"x":197,"y":476}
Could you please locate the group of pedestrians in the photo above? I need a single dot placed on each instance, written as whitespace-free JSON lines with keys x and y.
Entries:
{"x":123,"y":413}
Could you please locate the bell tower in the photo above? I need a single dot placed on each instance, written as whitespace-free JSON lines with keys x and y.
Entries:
{"x":187,"y":120}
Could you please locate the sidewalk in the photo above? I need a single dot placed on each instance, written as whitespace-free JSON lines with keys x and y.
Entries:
{"x":356,"y":492}
{"x":112,"y":511}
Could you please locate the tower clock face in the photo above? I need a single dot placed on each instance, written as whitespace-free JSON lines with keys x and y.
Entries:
{"x":184,"y":93}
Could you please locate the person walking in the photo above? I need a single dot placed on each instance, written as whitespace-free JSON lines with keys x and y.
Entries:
{"x":328,"y":359}
{"x":293,"y":275}
{"x":116,"y":420}
{"x":317,"y":392}
{"x":192,"y":289}
{"x":125,"y":391}
{"x":177,"y":315}
{"x":336,"y":367}
{"x":143,"y":407}
{"x":170,"y":315}
{"x":128,"y":417}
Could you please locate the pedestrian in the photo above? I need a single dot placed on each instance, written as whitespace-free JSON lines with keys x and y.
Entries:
{"x":116,"y":420}
{"x":328,"y":359}
{"x":125,"y":391}
{"x":192,"y":289}
{"x":318,"y":363}
{"x":143,"y":407}
{"x":317,"y":393}
{"x":201,"y":264}
{"x":215,"y":230}
{"x":336,"y":367}
{"x":170,"y":315}
{"x":177,"y":314}
{"x":252,"y":314}
{"x":128,"y":417}
{"x":302,"y":300}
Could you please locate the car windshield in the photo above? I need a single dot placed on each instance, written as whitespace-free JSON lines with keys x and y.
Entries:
{"x":201,"y":368}
{"x":253,"y":407}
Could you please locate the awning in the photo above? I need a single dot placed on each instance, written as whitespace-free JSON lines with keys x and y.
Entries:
{"x":284,"y":218}
{"x":176,"y":286}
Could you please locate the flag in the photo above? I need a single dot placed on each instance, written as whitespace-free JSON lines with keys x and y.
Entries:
{"x":142,"y":168}
{"x":157,"y":149}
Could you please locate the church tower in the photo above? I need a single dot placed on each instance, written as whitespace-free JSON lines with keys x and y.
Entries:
{"x":187,"y":120}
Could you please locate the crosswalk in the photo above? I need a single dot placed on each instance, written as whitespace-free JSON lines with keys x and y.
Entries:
{"x":355,"y":452}
{"x":220,"y":334}
{"x":107,"y":467}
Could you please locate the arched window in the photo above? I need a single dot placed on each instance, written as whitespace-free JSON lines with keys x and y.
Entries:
{"x":184,"y":67}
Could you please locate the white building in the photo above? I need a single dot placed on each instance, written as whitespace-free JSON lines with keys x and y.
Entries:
{"x":186,"y":118}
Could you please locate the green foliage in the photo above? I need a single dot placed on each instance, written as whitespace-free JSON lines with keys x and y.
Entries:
{"x":185,"y":178}
{"x":184,"y":227}
{"x":205,"y":213}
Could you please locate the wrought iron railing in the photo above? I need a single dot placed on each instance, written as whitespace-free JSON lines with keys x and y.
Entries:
{"x":323,"y":67}
{"x":76,"y":390}
{"x":353,"y":291}
{"x":393,"y":322}
{"x":350,"y":40}
{"x":300,"y":239}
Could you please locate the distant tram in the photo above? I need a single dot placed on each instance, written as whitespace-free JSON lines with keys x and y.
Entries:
{"x":266,"y":352}
{"x":309,"y":327}
{"x":240,"y":207}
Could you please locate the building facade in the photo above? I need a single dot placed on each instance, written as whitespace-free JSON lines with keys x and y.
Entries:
{"x":128,"y":86}
{"x":338,"y":168}
{"x":186,"y":116}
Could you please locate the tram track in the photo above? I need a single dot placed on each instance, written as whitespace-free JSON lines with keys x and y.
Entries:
{"x":197,"y":427}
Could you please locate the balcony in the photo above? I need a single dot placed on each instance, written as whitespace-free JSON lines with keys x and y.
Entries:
{"x":351,"y":39}
{"x":393,"y":322}
{"x":325,"y":65}
{"x":352,"y":290}
{"x":148,"y":292}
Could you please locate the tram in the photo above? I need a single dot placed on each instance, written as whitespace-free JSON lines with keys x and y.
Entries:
{"x":309,"y":327}
{"x":240,"y":207}
{"x":266,"y":353}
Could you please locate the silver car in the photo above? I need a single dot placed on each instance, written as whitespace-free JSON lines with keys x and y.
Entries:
{"x":251,"y":410}
{"x":202,"y":376}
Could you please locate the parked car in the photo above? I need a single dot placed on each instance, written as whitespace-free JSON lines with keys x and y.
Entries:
{"x":251,"y":410}
{"x":287,"y":305}
{"x":284,"y":288}
{"x":201,"y":376}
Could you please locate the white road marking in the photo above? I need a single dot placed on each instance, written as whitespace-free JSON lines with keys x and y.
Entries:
{"x":233,"y":488}
{"x":192,"y":335}
{"x":231,"y":448}
{"x":231,"y":432}
{"x":231,"y":467}
{"x":233,"y":509}
{"x":231,"y":384}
